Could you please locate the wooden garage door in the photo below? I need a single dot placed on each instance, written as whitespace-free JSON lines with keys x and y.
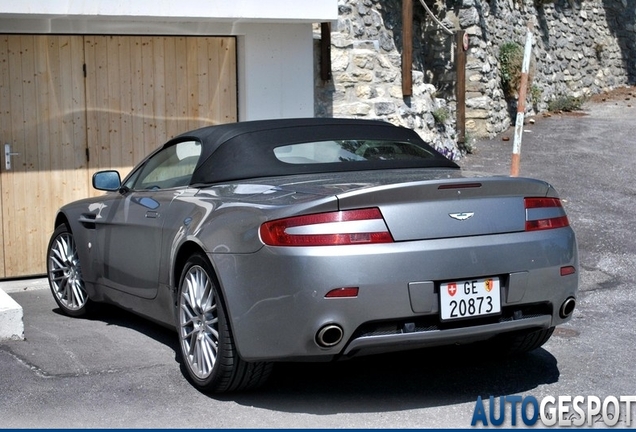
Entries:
{"x":140,"y":91}
{"x":42,"y":123}
{"x":70,"y":105}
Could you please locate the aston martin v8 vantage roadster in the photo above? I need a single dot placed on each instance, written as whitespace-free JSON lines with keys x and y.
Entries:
{"x":319,"y":240}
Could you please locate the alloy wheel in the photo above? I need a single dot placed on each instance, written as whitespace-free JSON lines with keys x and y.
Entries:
{"x":199,"y":322}
{"x":65,"y":273}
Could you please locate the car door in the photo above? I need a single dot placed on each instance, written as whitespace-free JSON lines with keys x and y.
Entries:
{"x":132,"y":235}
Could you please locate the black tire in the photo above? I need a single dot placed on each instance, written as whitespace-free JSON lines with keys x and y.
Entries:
{"x":207,"y":347}
{"x":519,"y":343}
{"x":65,"y":273}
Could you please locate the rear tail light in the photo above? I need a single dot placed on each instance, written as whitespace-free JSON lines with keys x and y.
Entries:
{"x":545,"y":213}
{"x":364,"y":226}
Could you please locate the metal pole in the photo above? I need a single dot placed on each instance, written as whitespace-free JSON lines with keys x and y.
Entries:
{"x":407,"y":48}
{"x":460,"y":60}
{"x":521,"y":104}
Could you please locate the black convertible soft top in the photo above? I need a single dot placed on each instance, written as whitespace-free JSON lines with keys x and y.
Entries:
{"x":244,"y":150}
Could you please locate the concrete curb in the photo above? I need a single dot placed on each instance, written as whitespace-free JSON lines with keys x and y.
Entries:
{"x":11,"y":325}
{"x":11,"y":314}
{"x":24,"y":285}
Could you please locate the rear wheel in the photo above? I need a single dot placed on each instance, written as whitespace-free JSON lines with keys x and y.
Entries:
{"x":207,"y":346}
{"x":65,"y":273}
{"x":519,"y":343}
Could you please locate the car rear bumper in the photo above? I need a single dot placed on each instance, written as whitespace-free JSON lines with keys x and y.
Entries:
{"x":277,"y":305}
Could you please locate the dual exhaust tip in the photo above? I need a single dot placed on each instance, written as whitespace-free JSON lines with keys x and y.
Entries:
{"x":567,"y":307}
{"x":329,"y":335}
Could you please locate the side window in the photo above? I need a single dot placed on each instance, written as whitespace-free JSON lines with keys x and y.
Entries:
{"x":171,"y":167}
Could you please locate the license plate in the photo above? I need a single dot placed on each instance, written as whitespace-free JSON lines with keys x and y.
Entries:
{"x":470,"y":298}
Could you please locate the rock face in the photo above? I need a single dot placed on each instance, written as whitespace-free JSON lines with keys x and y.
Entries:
{"x":581,"y":47}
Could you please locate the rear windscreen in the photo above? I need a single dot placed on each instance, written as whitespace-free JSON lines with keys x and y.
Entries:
{"x":320,"y":152}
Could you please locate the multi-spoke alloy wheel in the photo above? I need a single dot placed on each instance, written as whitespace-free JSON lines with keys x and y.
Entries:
{"x":207,"y":346}
{"x":199,"y":322}
{"x":65,"y":273}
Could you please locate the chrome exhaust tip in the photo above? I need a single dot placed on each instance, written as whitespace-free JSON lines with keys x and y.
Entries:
{"x":329,"y":335}
{"x":567,"y":307}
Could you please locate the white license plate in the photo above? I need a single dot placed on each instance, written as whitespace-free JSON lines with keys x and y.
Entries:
{"x":470,"y":298}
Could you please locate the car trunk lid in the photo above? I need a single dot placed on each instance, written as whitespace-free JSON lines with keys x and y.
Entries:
{"x":446,"y":208}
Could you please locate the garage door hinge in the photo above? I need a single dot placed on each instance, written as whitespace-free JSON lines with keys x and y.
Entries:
{"x":84,"y":69}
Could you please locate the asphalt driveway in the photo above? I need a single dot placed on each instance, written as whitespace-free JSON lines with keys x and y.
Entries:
{"x":117,"y":370}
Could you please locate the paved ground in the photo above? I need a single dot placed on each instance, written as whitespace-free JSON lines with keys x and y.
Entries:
{"x":116,"y":370}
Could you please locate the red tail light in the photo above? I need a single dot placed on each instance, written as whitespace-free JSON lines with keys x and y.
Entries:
{"x":349,"y":227}
{"x":545,"y":213}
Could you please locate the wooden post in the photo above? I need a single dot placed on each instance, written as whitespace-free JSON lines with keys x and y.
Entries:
{"x":521,"y":104}
{"x":325,"y":51}
{"x":460,"y":89}
{"x":407,"y":47}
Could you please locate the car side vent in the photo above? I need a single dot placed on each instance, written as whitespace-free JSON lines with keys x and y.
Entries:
{"x":87,"y":220}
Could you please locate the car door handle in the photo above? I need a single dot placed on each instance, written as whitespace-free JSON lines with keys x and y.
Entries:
{"x":152,"y":214}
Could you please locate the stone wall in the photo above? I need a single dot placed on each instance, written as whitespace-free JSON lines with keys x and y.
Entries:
{"x":366,"y":64}
{"x":581,"y":47}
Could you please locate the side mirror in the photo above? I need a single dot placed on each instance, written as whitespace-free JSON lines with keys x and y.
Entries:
{"x":107,"y":180}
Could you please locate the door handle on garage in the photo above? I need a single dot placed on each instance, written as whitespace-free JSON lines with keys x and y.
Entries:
{"x":7,"y":156}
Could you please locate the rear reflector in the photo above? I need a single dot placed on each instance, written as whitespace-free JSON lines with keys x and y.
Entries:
{"x":545,"y":213}
{"x":567,"y":270}
{"x":364,"y":226}
{"x":343,"y":292}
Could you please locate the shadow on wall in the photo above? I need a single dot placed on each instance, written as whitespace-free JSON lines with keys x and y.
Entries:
{"x":621,"y":21}
{"x":432,"y":48}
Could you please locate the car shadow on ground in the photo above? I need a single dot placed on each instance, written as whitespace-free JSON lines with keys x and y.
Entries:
{"x":387,"y":382}
{"x":400,"y":381}
{"x":114,"y":315}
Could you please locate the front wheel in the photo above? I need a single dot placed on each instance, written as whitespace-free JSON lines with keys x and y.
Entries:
{"x":207,"y":346}
{"x":65,"y":273}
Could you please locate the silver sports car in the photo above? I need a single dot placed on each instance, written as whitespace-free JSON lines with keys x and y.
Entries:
{"x":315,"y":239}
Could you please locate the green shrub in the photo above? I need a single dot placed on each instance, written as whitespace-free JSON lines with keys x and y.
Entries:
{"x":565,"y":103}
{"x":467,"y":145}
{"x":535,"y":95}
{"x":440,"y":115}
{"x":510,"y":62}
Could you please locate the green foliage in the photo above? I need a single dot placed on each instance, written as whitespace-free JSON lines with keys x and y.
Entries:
{"x":467,"y":145}
{"x":535,"y":94}
{"x":565,"y":103}
{"x":510,"y":62}
{"x":440,"y":115}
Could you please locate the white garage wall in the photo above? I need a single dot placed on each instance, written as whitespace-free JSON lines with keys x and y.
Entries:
{"x":275,"y":42}
{"x":279,"y":10}
{"x":276,"y":72}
